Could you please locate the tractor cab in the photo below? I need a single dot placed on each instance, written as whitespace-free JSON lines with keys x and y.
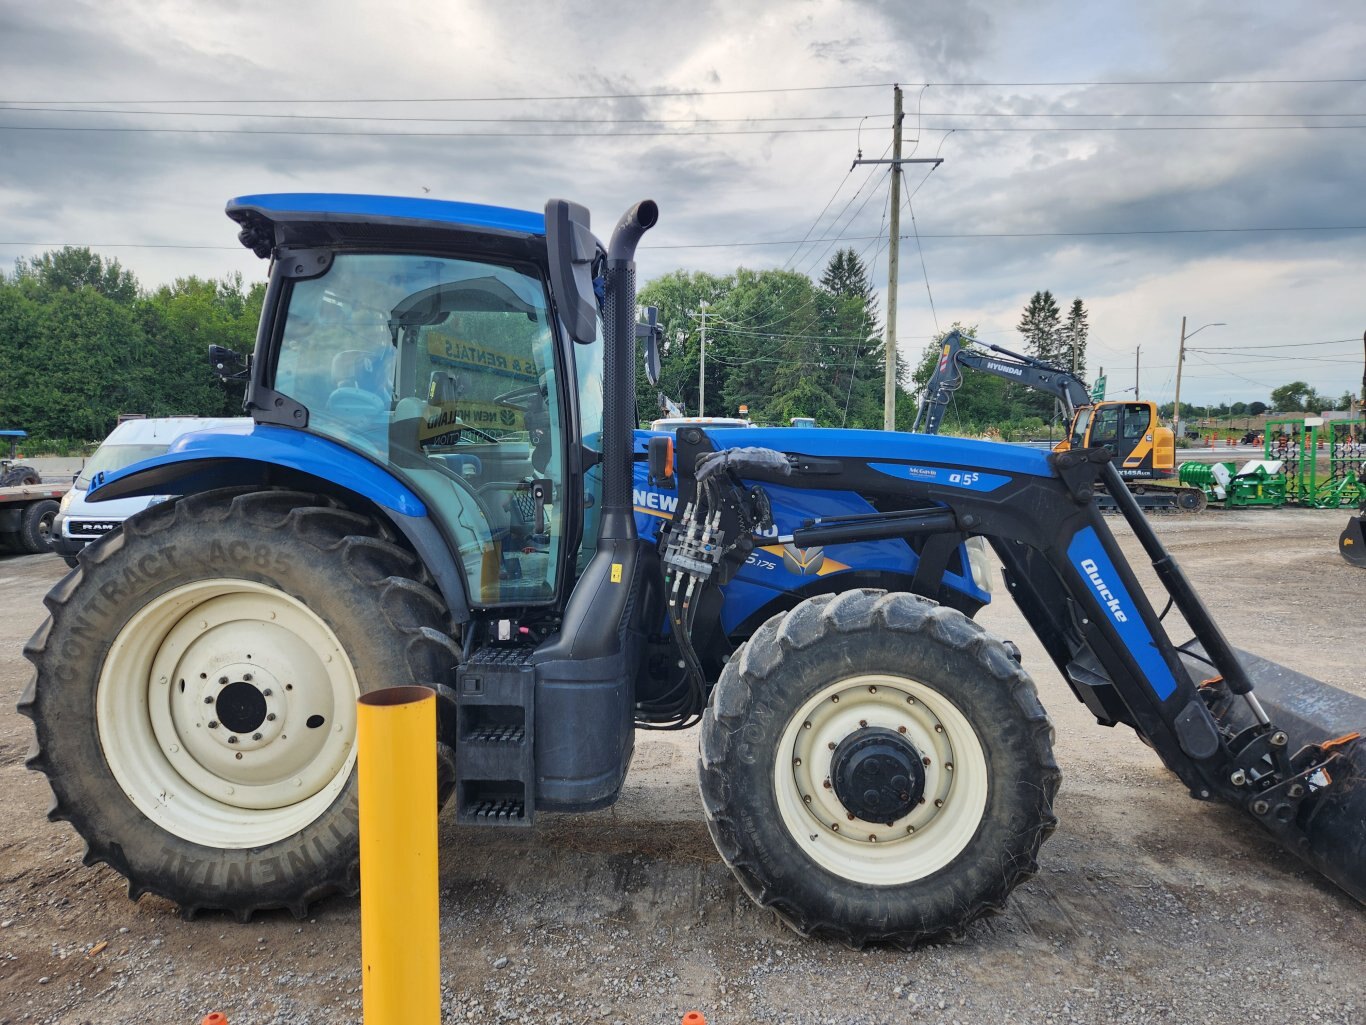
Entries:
{"x":435,"y":352}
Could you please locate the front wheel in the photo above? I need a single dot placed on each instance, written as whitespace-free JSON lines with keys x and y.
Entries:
{"x":195,"y":693}
{"x":877,"y":768}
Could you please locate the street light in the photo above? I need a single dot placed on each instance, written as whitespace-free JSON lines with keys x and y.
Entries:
{"x":1180,"y":360}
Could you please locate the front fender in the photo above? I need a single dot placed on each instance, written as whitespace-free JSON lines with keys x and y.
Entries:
{"x":260,"y":454}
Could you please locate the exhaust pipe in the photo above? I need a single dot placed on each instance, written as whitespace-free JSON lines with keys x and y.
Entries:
{"x":619,"y":372}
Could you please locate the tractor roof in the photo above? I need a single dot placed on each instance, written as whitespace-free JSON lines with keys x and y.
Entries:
{"x":300,"y":210}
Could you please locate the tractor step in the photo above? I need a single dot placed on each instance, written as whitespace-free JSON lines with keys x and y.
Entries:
{"x":495,"y":764}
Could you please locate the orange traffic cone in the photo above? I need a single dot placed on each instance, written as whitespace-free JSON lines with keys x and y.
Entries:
{"x":215,"y":1018}
{"x":694,"y":1018}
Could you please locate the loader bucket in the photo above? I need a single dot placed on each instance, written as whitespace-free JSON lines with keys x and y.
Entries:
{"x":1331,"y":821}
{"x":1352,"y":542}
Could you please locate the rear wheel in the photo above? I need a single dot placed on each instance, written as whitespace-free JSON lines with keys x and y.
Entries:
{"x":195,"y":693}
{"x":35,"y":527}
{"x":877,"y":768}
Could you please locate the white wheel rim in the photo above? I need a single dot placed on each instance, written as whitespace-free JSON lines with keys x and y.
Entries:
{"x":231,"y":764}
{"x":919,"y":843}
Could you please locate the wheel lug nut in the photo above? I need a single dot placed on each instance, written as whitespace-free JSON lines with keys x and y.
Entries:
{"x":270,"y":717}
{"x":213,"y":724}
{"x":901,"y":729}
{"x":835,"y":698}
{"x":831,"y":745}
{"x":835,"y":826}
{"x":807,"y":799}
{"x":863,"y":723}
{"x":925,"y":760}
{"x":851,"y":816}
{"x":948,"y":766}
{"x":222,"y":680}
{"x":256,"y":736}
{"x":232,"y":739}
{"x":827,"y":784}
{"x":938,"y":803}
{"x":208,"y":701}
{"x":872,"y":690}
{"x":872,"y":838}
{"x":247,"y":677}
{"x":806,"y":725}
{"x":266,"y":692}
{"x":796,"y":761}
{"x":910,"y":700}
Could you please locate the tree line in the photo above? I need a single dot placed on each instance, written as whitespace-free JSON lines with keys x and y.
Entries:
{"x":82,"y":342}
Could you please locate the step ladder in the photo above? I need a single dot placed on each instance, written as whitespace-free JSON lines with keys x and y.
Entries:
{"x":494,"y":757}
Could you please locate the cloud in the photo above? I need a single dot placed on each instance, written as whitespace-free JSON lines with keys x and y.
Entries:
{"x":759,"y":184}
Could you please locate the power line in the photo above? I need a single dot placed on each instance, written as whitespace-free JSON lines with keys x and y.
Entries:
{"x":1279,"y":345}
{"x":921,"y":250}
{"x":647,"y":134}
{"x":1027,"y":234}
{"x":840,"y":238}
{"x":1143,"y":128}
{"x":414,"y":135}
{"x":675,"y":93}
{"x":453,"y":120}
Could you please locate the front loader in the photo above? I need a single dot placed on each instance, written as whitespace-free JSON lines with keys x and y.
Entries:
{"x":442,"y":485}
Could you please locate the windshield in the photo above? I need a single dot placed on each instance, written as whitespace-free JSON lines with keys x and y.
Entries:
{"x":116,"y":457}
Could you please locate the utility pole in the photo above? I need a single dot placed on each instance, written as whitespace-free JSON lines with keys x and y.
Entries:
{"x":1180,"y":359}
{"x":1136,"y":352}
{"x":702,"y":361}
{"x":893,"y":267}
{"x":893,"y":257}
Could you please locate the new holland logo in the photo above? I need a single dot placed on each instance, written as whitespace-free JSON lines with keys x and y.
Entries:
{"x":804,"y":562}
{"x":1090,"y":568}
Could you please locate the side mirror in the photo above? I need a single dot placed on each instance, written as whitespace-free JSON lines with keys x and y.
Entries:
{"x":652,"y":333}
{"x":228,"y":364}
{"x":572,"y":250}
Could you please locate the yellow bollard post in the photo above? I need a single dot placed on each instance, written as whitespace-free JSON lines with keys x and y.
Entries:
{"x":399,"y":911}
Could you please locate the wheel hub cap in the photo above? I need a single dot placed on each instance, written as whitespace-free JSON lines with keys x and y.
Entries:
{"x":877,"y":775}
{"x":241,"y":707}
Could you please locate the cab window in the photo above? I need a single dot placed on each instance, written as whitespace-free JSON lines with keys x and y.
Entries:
{"x":443,"y":371}
{"x":1105,"y":426}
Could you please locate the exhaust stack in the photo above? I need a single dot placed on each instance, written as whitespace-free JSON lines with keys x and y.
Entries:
{"x":619,"y":372}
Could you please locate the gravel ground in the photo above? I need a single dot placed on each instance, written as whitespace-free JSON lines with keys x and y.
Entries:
{"x":1149,"y":907}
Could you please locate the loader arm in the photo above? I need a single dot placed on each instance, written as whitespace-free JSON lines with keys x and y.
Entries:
{"x":1081,"y":596}
{"x":948,"y":375}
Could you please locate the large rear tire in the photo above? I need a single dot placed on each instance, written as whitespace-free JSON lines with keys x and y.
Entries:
{"x":195,"y":690}
{"x":877,"y":768}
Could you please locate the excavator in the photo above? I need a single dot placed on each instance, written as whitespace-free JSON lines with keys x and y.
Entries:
{"x":1144,"y":451}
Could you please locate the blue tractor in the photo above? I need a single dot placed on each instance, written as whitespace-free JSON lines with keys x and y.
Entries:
{"x":442,"y":484}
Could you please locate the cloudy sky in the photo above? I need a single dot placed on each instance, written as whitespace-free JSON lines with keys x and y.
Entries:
{"x":1132,"y":154}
